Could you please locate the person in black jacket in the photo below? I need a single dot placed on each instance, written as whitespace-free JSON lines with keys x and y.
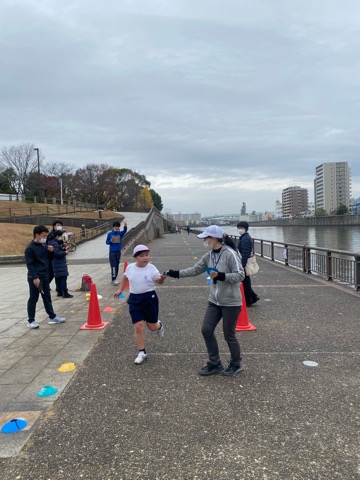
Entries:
{"x":57,"y":225}
{"x":59,"y":262}
{"x":245,"y":247}
{"x":37,"y":262}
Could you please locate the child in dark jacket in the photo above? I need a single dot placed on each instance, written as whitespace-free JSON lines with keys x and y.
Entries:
{"x":37,"y":262}
{"x":60,"y":265}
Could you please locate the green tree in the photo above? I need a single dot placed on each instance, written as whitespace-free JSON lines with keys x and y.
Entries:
{"x":342,"y":209}
{"x":320,"y":212}
{"x":157,"y":200}
{"x":7,"y":181}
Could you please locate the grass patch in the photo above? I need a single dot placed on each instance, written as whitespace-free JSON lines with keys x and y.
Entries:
{"x":15,"y":237}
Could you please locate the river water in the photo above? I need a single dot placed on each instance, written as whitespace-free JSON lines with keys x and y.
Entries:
{"x":334,"y":238}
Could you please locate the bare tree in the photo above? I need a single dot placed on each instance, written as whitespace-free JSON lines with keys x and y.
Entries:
{"x":22,"y":159}
{"x":58,"y":169}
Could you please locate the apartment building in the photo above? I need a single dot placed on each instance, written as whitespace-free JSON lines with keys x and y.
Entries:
{"x":332,"y":186}
{"x":294,"y":201}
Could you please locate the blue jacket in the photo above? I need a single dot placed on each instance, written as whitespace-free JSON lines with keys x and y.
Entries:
{"x":59,"y":261}
{"x":115,"y":247}
{"x":245,"y":247}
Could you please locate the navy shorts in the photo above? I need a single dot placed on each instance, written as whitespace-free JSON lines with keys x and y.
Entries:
{"x":144,"y":306}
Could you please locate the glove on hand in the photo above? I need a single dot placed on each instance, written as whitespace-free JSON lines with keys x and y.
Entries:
{"x":173,"y":273}
{"x":219,"y":277}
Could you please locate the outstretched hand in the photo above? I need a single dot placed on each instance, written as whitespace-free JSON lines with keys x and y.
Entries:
{"x":173,"y":273}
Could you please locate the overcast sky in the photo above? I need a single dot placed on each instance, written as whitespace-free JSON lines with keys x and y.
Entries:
{"x":216,"y":102}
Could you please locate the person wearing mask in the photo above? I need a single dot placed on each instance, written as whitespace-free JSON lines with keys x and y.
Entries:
{"x":57,"y":225}
{"x":114,"y":240}
{"x":36,"y":258}
{"x":223,"y":264}
{"x":245,"y":247}
{"x":61,"y":272}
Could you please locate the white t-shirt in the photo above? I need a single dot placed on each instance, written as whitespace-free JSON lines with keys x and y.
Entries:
{"x":142,"y":279}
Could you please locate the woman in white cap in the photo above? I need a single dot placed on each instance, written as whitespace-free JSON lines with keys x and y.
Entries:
{"x":224,"y":266}
{"x":143,"y":302}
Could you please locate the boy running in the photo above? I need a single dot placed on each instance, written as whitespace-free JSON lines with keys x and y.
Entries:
{"x":143,"y":301}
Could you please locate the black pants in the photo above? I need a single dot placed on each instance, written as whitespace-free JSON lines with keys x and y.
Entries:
{"x":114,"y":259}
{"x":34,"y":297}
{"x":249,"y":293}
{"x":61,"y":285}
{"x":213,"y":315}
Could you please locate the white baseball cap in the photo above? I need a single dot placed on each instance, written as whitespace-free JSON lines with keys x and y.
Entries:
{"x":140,"y":248}
{"x":212,"y":231}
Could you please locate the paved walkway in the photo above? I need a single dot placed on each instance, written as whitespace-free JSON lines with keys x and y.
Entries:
{"x":29,"y":359}
{"x":278,"y":419}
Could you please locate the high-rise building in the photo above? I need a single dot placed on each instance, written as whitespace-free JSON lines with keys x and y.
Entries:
{"x":294,"y":201}
{"x":243,"y":209}
{"x":332,"y":186}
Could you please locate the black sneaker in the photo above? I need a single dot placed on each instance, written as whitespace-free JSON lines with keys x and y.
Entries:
{"x":67,"y":295}
{"x":255,"y":299}
{"x":232,"y":369}
{"x":210,"y":369}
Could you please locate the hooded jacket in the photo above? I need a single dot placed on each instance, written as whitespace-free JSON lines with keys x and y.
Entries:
{"x":222,"y":293}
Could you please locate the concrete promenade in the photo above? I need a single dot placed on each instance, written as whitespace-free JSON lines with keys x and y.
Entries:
{"x":111,"y":419}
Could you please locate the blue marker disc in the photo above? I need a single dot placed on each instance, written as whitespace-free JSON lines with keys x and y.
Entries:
{"x":121,"y":295}
{"x":15,"y":425}
{"x":47,"y":391}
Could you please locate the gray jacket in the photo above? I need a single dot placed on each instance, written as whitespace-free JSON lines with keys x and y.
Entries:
{"x":223,"y":293}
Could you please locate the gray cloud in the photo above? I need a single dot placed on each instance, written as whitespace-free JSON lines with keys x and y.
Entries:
{"x":239,"y":98}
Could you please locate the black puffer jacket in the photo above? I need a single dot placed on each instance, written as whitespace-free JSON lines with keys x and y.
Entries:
{"x":59,"y":262}
{"x":245,"y":247}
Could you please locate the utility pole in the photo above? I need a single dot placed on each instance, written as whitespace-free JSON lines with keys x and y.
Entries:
{"x":38,"y":170}
{"x":61,"y":191}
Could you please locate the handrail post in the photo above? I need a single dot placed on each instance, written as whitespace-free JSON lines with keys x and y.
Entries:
{"x":357,"y":271}
{"x":306,"y":259}
{"x":328,"y":265}
{"x":261,"y":248}
{"x":286,"y":255}
{"x":272,"y":251}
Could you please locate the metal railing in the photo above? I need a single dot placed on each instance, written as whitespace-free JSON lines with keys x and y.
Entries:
{"x":337,"y":265}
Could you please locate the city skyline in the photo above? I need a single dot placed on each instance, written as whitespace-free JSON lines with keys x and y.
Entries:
{"x":214,"y":106}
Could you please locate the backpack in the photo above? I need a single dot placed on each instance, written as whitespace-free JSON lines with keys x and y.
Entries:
{"x":86,"y":282}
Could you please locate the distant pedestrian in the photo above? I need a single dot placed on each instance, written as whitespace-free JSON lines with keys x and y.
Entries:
{"x":114,"y":240}
{"x":60,"y":268}
{"x":245,"y":247}
{"x":224,"y":267}
{"x":143,"y":301}
{"x":188,"y":229}
{"x":37,"y":262}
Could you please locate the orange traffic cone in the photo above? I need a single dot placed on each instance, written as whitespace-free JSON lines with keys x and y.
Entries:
{"x":243,"y":323}
{"x":94,"y":321}
{"x":127,"y":284}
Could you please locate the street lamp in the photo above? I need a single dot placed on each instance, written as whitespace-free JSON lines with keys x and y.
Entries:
{"x":38,"y":170}
{"x":61,"y":191}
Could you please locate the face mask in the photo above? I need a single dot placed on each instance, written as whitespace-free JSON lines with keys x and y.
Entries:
{"x":59,"y":227}
{"x":206,"y":245}
{"x":241,"y":230}
{"x":43,"y":240}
